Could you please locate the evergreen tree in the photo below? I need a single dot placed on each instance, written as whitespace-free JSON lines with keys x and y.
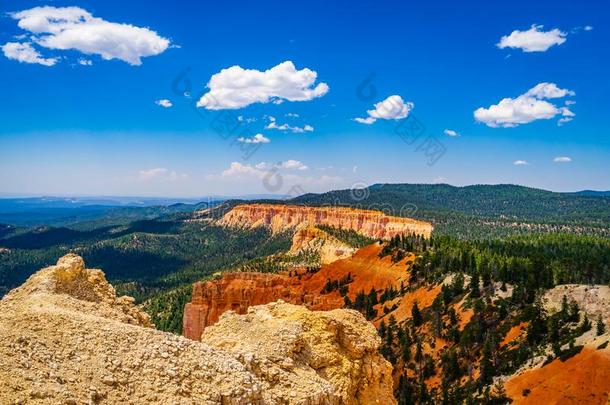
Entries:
{"x":601,"y":327}
{"x":416,"y":314}
{"x":474,"y":285}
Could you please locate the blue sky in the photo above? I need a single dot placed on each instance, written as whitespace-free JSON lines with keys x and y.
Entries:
{"x":79,"y":114}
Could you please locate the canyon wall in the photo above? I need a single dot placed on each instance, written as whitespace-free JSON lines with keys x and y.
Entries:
{"x":374,"y":224}
{"x":238,"y":291}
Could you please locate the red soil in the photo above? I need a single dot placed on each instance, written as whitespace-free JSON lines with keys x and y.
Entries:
{"x":581,"y":379}
{"x":513,"y":333}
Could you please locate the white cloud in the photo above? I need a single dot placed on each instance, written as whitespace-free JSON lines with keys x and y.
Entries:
{"x":588,"y":28}
{"x":258,"y":138}
{"x":25,"y":53}
{"x":277,"y":174}
{"x":367,"y":120}
{"x":392,"y":108}
{"x":236,"y":87}
{"x":241,"y":118}
{"x":85,"y":62}
{"x":548,"y":90}
{"x":562,"y":159}
{"x":285,"y":127}
{"x":567,"y":116}
{"x":164,"y":103}
{"x":74,"y":28}
{"x":259,"y":170}
{"x":292,"y":115}
{"x":450,"y":132}
{"x":237,"y":169}
{"x":521,"y":163}
{"x":533,"y":40}
{"x":528,"y":107}
{"x":292,"y":164}
{"x":160,"y":174}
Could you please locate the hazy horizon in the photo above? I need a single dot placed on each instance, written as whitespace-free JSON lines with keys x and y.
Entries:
{"x":255,"y":195}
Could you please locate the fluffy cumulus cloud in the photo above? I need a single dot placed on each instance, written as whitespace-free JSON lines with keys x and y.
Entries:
{"x":25,"y":53}
{"x":165,"y":103}
{"x":451,"y":132}
{"x":73,"y":28}
{"x":160,"y":174}
{"x":236,"y":87}
{"x":285,"y":127}
{"x":533,"y":40}
{"x":258,"y":138}
{"x":562,"y":159}
{"x":528,"y":107}
{"x":521,"y":163}
{"x":392,"y":108}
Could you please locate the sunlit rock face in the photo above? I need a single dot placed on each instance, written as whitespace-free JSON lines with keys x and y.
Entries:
{"x":374,"y":224}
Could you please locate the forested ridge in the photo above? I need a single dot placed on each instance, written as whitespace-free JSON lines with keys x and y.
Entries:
{"x":480,"y":210}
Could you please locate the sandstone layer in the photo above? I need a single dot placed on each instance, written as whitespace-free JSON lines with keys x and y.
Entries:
{"x":337,"y":351}
{"x":66,"y":338}
{"x":278,"y":218}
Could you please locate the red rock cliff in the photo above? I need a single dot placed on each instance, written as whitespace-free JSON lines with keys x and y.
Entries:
{"x":238,"y":291}
{"x":374,"y":224}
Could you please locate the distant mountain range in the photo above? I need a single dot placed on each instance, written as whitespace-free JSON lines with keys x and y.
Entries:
{"x":61,"y":211}
{"x":594,"y":193}
{"x":426,"y":201}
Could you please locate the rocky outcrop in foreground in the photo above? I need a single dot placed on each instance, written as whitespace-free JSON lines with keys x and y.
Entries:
{"x":336,"y":352}
{"x":374,"y":224}
{"x":66,"y":338}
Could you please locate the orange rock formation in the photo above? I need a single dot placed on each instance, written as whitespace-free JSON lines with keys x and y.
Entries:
{"x":374,"y":224}
{"x":238,"y":291}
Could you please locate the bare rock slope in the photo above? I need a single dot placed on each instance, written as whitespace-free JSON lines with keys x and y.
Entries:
{"x":66,"y":338}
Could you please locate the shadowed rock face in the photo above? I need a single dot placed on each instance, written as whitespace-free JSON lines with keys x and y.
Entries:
{"x":374,"y":224}
{"x":65,"y":337}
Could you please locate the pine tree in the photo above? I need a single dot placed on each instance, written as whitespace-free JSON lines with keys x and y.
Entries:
{"x":474,"y":286}
{"x":416,"y":314}
{"x":601,"y":327}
